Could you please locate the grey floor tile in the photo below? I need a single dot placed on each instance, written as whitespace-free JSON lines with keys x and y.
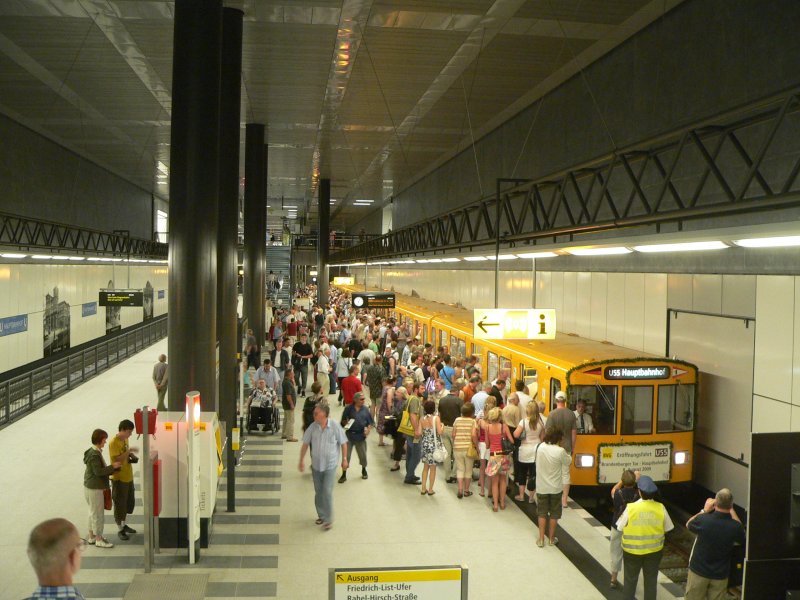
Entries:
{"x":258,"y":502}
{"x":259,"y":562}
{"x":253,"y":487}
{"x":217,"y":589}
{"x":103,"y":590}
{"x":236,"y":519}
{"x":262,"y":462}
{"x":269,"y":473}
{"x":250,"y":589}
{"x":249,"y":539}
{"x":260,"y":452}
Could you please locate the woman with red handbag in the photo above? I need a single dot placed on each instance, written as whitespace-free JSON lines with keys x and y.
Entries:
{"x":96,"y":488}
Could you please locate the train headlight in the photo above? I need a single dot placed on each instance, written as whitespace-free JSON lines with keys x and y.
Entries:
{"x":681,"y":458}
{"x":584,"y":461}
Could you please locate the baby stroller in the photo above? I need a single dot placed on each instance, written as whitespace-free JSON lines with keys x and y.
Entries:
{"x":264,"y":411}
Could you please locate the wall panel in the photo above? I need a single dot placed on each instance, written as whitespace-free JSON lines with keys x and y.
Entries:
{"x":739,"y":295}
{"x":770,"y":415}
{"x":707,"y":293}
{"x":773,"y":366}
{"x":23,"y":288}
{"x":570,"y":302}
{"x":583,"y":312}
{"x":680,"y":289}
{"x":655,"y":313}
{"x":634,"y":311}
{"x":598,"y":311}
{"x":615,"y":309}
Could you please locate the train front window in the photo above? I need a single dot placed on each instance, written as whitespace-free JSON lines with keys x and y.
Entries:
{"x":676,"y":407}
{"x":637,"y":410}
{"x":601,"y":405}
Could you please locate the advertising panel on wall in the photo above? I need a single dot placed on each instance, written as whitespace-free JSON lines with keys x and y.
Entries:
{"x":88,"y":309}
{"x":147,"y":301}
{"x":56,"y":324}
{"x":113,"y":314}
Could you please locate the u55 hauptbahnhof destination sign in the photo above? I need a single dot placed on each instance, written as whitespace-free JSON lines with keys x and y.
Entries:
{"x":514,"y":324}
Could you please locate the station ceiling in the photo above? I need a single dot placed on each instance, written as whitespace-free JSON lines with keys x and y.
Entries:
{"x":372,"y":94}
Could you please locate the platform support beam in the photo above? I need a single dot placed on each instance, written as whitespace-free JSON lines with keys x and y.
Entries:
{"x":193,"y":192}
{"x":255,"y":229}
{"x":323,"y":240}
{"x":227,"y":238}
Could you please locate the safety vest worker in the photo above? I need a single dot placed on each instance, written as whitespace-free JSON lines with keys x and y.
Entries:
{"x":643,"y":525}
{"x":644,"y":533}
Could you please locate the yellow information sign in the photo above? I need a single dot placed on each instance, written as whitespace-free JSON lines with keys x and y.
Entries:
{"x":344,"y":281}
{"x":514,"y":324}
{"x":413,"y":583}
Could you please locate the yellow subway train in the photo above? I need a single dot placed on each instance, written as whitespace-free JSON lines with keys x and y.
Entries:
{"x":642,"y":406}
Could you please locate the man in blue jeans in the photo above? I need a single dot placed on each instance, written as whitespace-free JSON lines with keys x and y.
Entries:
{"x":328,"y":439}
{"x":413,"y":446}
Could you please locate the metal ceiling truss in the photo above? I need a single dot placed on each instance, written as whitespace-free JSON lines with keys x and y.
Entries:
{"x":743,"y":161}
{"x":26,"y":234}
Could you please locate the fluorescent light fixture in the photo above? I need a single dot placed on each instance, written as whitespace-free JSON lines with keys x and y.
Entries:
{"x":356,"y":264}
{"x":769,"y":242}
{"x":502,"y":256}
{"x":404,"y":262}
{"x":366,"y":200}
{"x":452,"y":259}
{"x":13,"y":255}
{"x":537,"y":255}
{"x":599,"y":251}
{"x":76,"y":258}
{"x":420,"y":260}
{"x":475,"y":258}
{"x":434,"y":260}
{"x":682,"y":247}
{"x":361,"y":204}
{"x":42,"y":257}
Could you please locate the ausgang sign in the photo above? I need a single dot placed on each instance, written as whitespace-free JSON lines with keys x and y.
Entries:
{"x":514,"y":324}
{"x":411,"y":583}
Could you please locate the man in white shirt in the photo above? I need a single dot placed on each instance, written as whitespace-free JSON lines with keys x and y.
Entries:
{"x":322,"y":370}
{"x":479,"y":399}
{"x":585,"y":424}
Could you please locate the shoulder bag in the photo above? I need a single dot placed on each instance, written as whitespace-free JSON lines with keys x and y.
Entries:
{"x":508,"y":447}
{"x":107,"y":504}
{"x":472,"y":451}
{"x":405,"y":426}
{"x":439,"y":451}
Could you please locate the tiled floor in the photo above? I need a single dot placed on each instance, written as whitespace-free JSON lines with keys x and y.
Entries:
{"x":270,"y":547}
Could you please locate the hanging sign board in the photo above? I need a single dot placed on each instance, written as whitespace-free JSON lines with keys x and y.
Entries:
{"x":410,"y":583}
{"x":637,"y":372}
{"x":373,"y":300}
{"x":514,"y":324}
{"x":120,"y":298}
{"x":343,"y":281}
{"x":654,"y":460}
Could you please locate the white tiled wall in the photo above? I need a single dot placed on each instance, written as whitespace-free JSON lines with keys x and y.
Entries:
{"x":23,"y":289}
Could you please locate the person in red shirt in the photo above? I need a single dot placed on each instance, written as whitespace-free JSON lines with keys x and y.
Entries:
{"x":351,"y":384}
{"x":291,"y":330}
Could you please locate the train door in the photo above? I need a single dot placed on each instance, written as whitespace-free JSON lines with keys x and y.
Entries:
{"x":507,"y":372}
{"x":443,"y":334}
{"x":477,"y":352}
{"x":492,"y":366}
{"x":530,"y":379}
{"x":555,"y":387}
{"x":424,"y":333}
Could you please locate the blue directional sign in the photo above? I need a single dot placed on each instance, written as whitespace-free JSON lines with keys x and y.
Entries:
{"x":12,"y":325}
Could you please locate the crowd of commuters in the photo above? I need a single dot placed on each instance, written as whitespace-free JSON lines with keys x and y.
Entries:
{"x":440,"y":412}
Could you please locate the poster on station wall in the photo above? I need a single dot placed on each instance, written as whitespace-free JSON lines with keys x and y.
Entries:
{"x":55,"y":324}
{"x":113,"y":314}
{"x":652,"y":459}
{"x":147,"y":302}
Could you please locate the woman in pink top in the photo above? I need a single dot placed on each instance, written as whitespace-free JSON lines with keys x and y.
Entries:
{"x":499,"y":460}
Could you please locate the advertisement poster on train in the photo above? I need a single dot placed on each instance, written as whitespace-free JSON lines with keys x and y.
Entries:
{"x":147,"y":301}
{"x":653,"y":459}
{"x":113,"y":314}
{"x":55,"y":324}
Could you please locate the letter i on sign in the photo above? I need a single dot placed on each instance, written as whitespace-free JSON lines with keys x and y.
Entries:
{"x":542,"y":324}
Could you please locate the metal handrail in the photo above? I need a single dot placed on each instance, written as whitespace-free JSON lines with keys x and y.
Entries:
{"x":22,"y":394}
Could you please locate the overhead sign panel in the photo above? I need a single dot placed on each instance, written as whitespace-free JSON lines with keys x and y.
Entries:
{"x":343,"y":281}
{"x":514,"y":324}
{"x":413,"y":583}
{"x":120,"y":298}
{"x":373,"y":299}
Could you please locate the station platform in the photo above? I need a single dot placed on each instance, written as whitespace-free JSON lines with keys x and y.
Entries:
{"x":270,"y":548}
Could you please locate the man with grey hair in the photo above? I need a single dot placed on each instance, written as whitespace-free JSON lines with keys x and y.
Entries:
{"x":160,"y":380}
{"x":718,"y":530}
{"x":54,"y":549}
{"x":328,"y":439}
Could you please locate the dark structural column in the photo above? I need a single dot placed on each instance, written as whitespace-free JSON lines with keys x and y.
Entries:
{"x":193,"y":190}
{"x":255,"y":229}
{"x":323,"y":240}
{"x":227,"y":253}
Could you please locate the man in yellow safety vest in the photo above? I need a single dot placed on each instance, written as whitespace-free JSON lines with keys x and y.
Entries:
{"x":643,"y":525}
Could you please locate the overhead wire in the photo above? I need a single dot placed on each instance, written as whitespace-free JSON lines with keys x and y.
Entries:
{"x":467,"y":100}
